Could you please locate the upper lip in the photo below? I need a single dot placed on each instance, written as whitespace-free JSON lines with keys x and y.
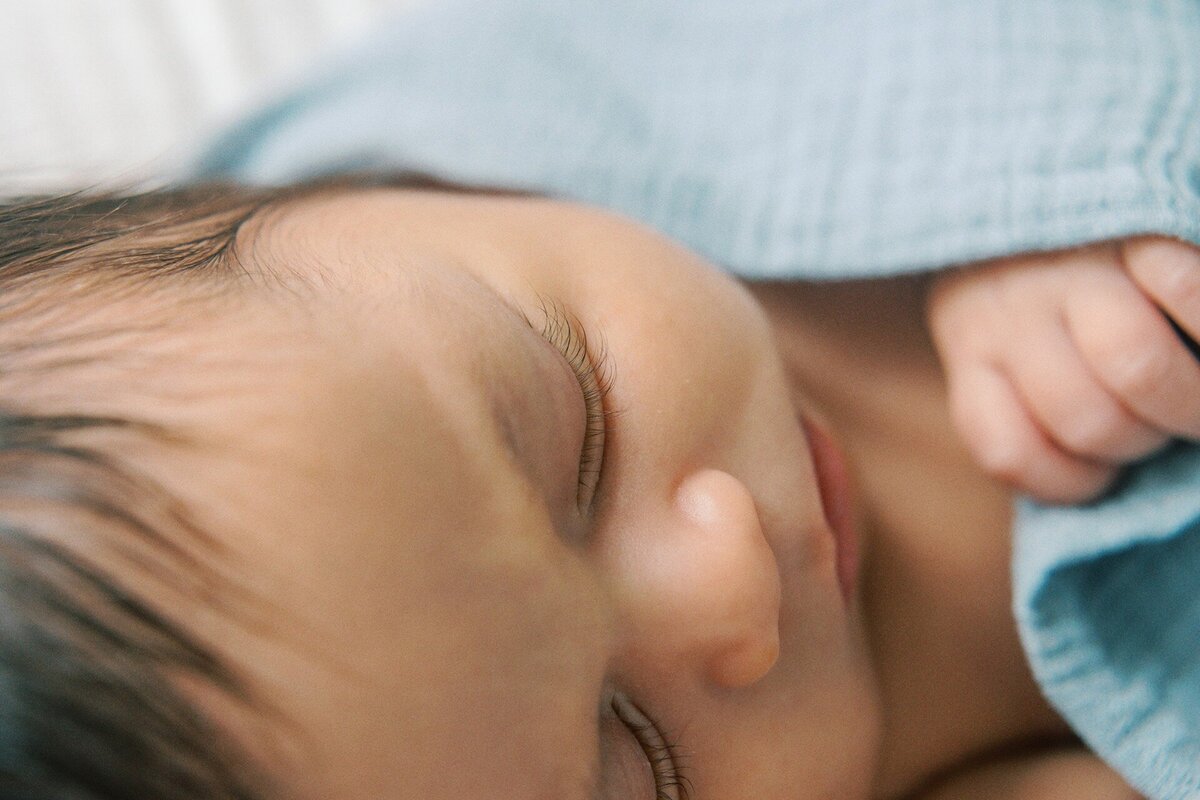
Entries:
{"x":802,"y":531}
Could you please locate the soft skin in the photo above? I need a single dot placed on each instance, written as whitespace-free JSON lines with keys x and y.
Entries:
{"x":396,"y":449}
{"x":1064,"y":366}
{"x":405,"y":491}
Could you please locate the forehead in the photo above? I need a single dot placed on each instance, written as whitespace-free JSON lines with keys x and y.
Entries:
{"x":370,"y":370}
{"x":369,"y":496}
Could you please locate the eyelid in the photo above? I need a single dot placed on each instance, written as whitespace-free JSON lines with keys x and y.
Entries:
{"x":593,"y":370}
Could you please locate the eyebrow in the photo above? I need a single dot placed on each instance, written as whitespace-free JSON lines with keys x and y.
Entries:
{"x":505,"y":302}
{"x":491,"y":291}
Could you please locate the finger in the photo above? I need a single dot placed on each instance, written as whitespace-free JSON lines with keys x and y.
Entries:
{"x":1131,"y":348}
{"x":1071,"y":406}
{"x":1007,"y":443}
{"x":1168,"y":271}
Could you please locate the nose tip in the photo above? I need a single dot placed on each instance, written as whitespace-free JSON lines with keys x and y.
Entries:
{"x":732,"y":611}
{"x":744,"y":665}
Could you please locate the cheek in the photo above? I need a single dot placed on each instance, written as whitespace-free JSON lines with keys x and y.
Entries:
{"x":688,"y":308}
{"x":820,"y":739}
{"x":687,"y":359}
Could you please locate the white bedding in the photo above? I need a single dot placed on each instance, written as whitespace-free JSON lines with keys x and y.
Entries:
{"x":112,"y":91}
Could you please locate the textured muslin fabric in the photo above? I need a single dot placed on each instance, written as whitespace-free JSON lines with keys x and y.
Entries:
{"x":781,"y":137}
{"x":807,"y":139}
{"x":1108,"y":606}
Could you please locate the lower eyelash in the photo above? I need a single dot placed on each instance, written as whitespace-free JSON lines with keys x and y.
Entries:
{"x":664,"y":755}
{"x":668,"y":777}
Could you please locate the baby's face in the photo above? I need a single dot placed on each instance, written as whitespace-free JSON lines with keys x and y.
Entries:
{"x":496,"y":573}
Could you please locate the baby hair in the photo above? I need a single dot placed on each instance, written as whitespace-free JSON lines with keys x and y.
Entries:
{"x":91,"y":704}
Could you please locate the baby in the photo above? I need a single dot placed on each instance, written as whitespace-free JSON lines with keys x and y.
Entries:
{"x":346,"y":491}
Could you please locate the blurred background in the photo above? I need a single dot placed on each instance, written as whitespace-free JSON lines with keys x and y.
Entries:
{"x":116,"y":90}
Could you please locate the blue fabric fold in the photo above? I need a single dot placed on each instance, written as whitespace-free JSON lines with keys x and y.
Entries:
{"x":813,"y":139}
{"x":1107,"y":598}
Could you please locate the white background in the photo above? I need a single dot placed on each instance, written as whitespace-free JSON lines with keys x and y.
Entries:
{"x":114,"y":91}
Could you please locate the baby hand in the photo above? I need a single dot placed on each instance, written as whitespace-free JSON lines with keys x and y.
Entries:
{"x":1062,"y":367}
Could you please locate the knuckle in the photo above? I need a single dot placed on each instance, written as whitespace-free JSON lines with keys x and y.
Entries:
{"x":1133,"y":356}
{"x":1092,"y":430}
{"x":1172,"y":267}
{"x":1180,"y":288}
{"x":1139,"y":371}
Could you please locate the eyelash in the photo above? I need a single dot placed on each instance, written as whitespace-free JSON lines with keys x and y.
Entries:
{"x":664,"y":756}
{"x":593,"y":370}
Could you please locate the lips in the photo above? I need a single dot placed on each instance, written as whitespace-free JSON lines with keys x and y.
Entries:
{"x":837,"y":500}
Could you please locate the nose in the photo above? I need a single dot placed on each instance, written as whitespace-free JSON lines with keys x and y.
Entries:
{"x":701,"y":591}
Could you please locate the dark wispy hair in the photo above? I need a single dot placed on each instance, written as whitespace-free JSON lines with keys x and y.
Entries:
{"x":91,"y":703}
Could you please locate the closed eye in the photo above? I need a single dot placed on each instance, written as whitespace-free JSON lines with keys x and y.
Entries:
{"x":593,"y":369}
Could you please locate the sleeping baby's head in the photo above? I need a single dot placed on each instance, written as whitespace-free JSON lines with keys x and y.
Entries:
{"x":389,"y":493}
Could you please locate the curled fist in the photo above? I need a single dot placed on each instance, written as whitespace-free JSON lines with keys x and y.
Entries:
{"x":1064,"y":366}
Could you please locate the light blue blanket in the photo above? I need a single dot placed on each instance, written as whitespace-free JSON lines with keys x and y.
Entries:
{"x":820,"y":139}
